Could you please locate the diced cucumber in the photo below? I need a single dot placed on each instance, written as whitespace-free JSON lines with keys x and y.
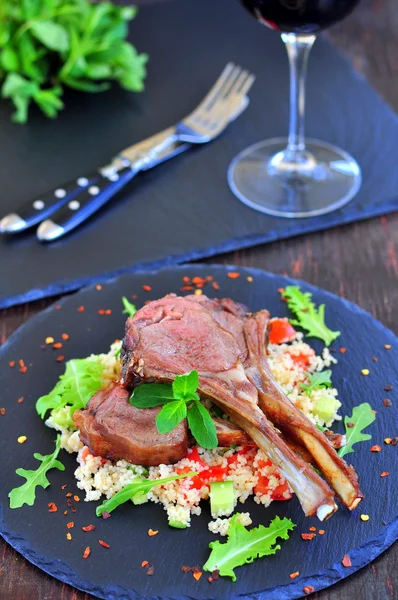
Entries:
{"x":325,"y":408}
{"x":177,"y":524}
{"x":222,"y":498}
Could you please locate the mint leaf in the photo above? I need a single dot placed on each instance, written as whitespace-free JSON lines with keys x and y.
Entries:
{"x":82,"y":378}
{"x":26,"y":493}
{"x":308,"y":317}
{"x":52,"y":35}
{"x":244,"y":545}
{"x":202,"y":426}
{"x":149,"y":395}
{"x":129,"y":308}
{"x":185,"y":386}
{"x":171,"y":415}
{"x":362,"y":417}
{"x":138,"y":486}
{"x":317,"y":381}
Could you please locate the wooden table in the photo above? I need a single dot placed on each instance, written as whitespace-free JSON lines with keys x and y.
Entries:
{"x":358,"y":262}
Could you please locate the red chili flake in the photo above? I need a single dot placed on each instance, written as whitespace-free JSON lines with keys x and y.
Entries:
{"x":146,"y":288}
{"x":346,"y":562}
{"x":76,"y":498}
{"x":71,"y":505}
{"x":63,"y":487}
{"x":308,"y":589}
{"x":65,"y":336}
{"x":394,"y":441}
{"x":308,"y":536}
{"x":312,"y":529}
{"x":105,"y":515}
{"x":57,"y":307}
{"x":81,"y":309}
{"x":103,"y":544}
{"x":215,"y":285}
{"x":187,"y":288}
{"x":233,"y":275}
{"x":57,"y":345}
{"x":87,"y":552}
{"x":108,"y":311}
{"x":375,"y":448}
{"x":88,"y":528}
{"x":321,"y":531}
{"x":294,"y":575}
{"x":98,"y":287}
{"x":197,"y":575}
{"x":23,"y":368}
{"x":20,"y":400}
{"x":281,"y":290}
{"x":60,"y":358}
{"x":150,"y":570}
{"x":374,"y":358}
{"x":198,"y":281}
{"x":70,"y":524}
{"x":343,"y":350}
{"x":12,"y":364}
{"x":387,"y":402}
{"x":101,"y":311}
{"x":249,"y":279}
{"x":350,"y":424}
{"x":186,"y":279}
{"x":387,"y":346}
{"x":185,"y":569}
{"x":2,"y":411}
{"x":69,"y":495}
{"x":134,"y":297}
{"x":388,"y":388}
{"x":52,"y":507}
{"x":144,"y":563}
{"x":65,"y":512}
{"x":151,"y":532}
{"x":209,"y":278}
{"x":384,"y":474}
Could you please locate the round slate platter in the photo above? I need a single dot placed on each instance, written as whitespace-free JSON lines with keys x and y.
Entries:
{"x":116,"y":573}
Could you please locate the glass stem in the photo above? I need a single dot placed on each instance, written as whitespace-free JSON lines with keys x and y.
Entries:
{"x":298,"y":48}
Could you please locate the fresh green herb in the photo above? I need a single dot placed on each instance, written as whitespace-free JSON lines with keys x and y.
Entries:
{"x":308,"y":317}
{"x":137,"y":487}
{"x":244,"y":545}
{"x":316,"y":381}
{"x":48,"y":44}
{"x":129,"y":308}
{"x":362,"y":417}
{"x":82,"y":378}
{"x":117,"y":353}
{"x":26,"y":493}
{"x":179,"y":401}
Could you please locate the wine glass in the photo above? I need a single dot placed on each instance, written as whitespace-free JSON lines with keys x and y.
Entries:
{"x":296,"y":177}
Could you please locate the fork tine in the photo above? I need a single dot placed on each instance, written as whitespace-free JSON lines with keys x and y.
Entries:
{"x":213,"y":92}
{"x":247,"y":85}
{"x":228,"y":84}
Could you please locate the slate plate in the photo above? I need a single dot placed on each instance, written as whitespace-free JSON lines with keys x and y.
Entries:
{"x":184,"y":210}
{"x":116,"y":573}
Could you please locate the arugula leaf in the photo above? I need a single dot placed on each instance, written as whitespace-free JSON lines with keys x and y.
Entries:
{"x":317,"y":380}
{"x":202,"y":426}
{"x":308,"y":317}
{"x":26,"y":493}
{"x":138,"y":486}
{"x":129,"y":308}
{"x":149,"y":395}
{"x":52,"y":35}
{"x":185,"y":386}
{"x":82,"y":378}
{"x":362,"y":417}
{"x":244,"y":545}
{"x":171,"y":415}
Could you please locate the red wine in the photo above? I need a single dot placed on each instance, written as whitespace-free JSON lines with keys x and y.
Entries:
{"x":299,"y":16}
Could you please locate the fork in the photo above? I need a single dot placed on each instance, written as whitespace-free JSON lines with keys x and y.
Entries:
{"x":226,"y":98}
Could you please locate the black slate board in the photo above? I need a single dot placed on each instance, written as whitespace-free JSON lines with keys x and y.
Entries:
{"x":184,"y":210}
{"x":116,"y":573}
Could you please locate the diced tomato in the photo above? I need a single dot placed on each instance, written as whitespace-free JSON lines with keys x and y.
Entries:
{"x":301,"y":360}
{"x":85,"y":453}
{"x":263,"y":463}
{"x":281,"y":492}
{"x":281,"y":331}
{"x":194,"y":455}
{"x":261,"y":486}
{"x":214,"y":473}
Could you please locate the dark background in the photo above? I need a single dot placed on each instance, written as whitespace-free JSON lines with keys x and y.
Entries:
{"x":358,"y":262}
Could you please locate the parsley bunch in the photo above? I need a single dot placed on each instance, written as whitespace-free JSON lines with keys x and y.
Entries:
{"x":48,"y":44}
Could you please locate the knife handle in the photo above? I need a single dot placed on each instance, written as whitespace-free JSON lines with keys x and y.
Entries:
{"x":85,"y":203}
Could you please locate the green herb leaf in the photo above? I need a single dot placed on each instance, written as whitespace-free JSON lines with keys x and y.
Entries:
{"x":52,"y":35}
{"x":308,"y":317}
{"x":138,"y":486}
{"x":316,"y":381}
{"x":244,"y":545}
{"x":362,"y":417}
{"x":82,"y":378}
{"x":185,"y":386}
{"x":149,"y":395}
{"x":202,"y":426}
{"x":129,"y":308}
{"x":26,"y":493}
{"x":171,"y":415}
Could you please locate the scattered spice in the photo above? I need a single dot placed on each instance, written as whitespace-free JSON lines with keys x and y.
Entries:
{"x":321,"y":531}
{"x":346,"y":562}
{"x":105,"y":515}
{"x":249,"y":279}
{"x":375,"y":448}
{"x":88,"y":528}
{"x":69,"y":495}
{"x":65,"y":336}
{"x":387,"y":346}
{"x":387,"y":440}
{"x":108,"y":311}
{"x":294,"y":575}
{"x":20,"y":400}
{"x":76,"y":498}
{"x":65,"y":512}
{"x":144,"y":563}
{"x":69,"y":536}
{"x":388,"y":388}
{"x":63,"y":487}
{"x":57,"y":345}
{"x":281,"y":290}
{"x":151,"y":532}
{"x":81,"y":309}
{"x":22,"y":367}
{"x":233,"y":275}
{"x":57,"y":307}
{"x":70,"y":525}
{"x":146,"y":288}
{"x":308,"y":536}
{"x":87,"y":552}
{"x":215,"y":285}
{"x":103,"y":544}
{"x":343,"y":350}
{"x":308,"y":589}
{"x":365,"y":518}
{"x":350,"y":424}
{"x":12,"y":364}
{"x":214,"y":576}
{"x":150,"y":570}
{"x":197,"y":575}
{"x":22,"y":439}
{"x":52,"y":507}
{"x":384,"y":474}
{"x":312,"y":529}
{"x":374,"y":358}
{"x":394,"y":441}
{"x":49,"y":340}
{"x":2,"y":411}
{"x":60,"y":358}
{"x":387,"y":402}
{"x":71,"y":505}
{"x":98,"y":287}
{"x":365,"y":371}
